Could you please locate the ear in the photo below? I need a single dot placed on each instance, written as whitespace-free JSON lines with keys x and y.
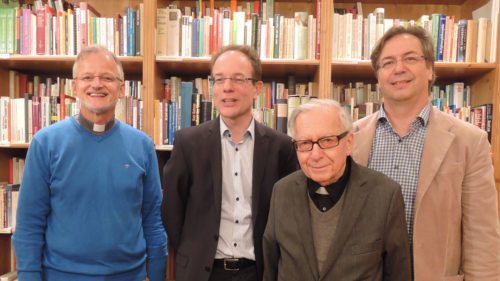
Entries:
{"x":121,"y":93}
{"x":430,"y":71}
{"x":349,"y":140}
{"x":258,"y":87}
{"x":73,"y":87}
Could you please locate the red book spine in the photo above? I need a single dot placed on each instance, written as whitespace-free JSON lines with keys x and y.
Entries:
{"x":318,"y":27}
{"x":40,"y":32}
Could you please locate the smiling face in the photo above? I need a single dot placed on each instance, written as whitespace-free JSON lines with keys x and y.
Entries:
{"x":324,"y":166}
{"x":234,"y":100}
{"x":98,"y":96}
{"x":404,"y":83}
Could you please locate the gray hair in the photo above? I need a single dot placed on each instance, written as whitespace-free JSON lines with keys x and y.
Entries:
{"x":97,"y":49}
{"x":345,"y":118}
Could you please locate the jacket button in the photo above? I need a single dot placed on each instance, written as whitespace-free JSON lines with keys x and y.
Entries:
{"x":207,"y":268}
{"x":216,"y":237}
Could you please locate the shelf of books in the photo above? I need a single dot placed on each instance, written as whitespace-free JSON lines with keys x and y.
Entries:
{"x":284,"y":33}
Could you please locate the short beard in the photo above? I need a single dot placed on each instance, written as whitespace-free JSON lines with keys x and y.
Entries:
{"x":100,"y":110}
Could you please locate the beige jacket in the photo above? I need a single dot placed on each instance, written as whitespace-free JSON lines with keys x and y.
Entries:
{"x":456,"y":226}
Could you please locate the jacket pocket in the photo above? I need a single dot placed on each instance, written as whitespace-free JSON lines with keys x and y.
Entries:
{"x":454,"y":278}
{"x":181,"y":260}
{"x":365,"y":248}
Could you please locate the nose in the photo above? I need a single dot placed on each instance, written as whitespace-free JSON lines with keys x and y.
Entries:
{"x":316,"y":151}
{"x":400,"y":65}
{"x":96,"y":82}
{"x":228,"y":84}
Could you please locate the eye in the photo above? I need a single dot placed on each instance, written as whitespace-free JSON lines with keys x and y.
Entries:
{"x":301,"y":145}
{"x":218,"y":80}
{"x":87,"y":78}
{"x":107,"y":79}
{"x":411,"y":59}
{"x":328,"y":141}
{"x":387,"y":63}
{"x":238,"y":80}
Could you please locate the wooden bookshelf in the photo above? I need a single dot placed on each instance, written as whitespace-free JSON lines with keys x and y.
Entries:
{"x":484,"y":78}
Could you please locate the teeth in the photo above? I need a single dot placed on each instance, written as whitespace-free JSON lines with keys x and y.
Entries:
{"x":97,"y":95}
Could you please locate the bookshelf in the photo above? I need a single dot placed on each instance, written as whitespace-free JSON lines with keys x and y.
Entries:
{"x":484,"y":78}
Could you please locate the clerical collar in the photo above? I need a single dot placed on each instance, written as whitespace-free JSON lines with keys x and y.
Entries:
{"x":95,"y":128}
{"x":325,"y":197}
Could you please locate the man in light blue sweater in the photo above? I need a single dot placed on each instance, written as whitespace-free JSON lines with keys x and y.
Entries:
{"x":89,"y":206}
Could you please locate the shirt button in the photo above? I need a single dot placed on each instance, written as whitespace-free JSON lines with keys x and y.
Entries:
{"x":235,"y":244}
{"x":237,"y":221}
{"x":400,"y":140}
{"x":236,"y":149}
{"x":236,"y":173}
{"x":237,"y":198}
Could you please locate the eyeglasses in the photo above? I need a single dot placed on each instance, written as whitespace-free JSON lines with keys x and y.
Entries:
{"x":390,"y":63}
{"x":108,"y":79}
{"x":236,"y":80}
{"x":323,"y":143}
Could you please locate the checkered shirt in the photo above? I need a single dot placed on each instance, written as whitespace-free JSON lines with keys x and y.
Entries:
{"x":399,"y":157}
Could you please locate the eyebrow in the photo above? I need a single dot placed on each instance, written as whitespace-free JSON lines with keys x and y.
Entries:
{"x":405,"y":54}
{"x":232,"y":75}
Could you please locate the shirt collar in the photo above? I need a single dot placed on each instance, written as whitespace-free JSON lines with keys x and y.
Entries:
{"x":224,"y":130}
{"x":422,"y":117}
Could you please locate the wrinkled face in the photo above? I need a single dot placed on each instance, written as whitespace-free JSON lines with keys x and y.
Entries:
{"x":324,"y":166}
{"x":97,"y":86}
{"x":407,"y":78}
{"x":234,"y":97}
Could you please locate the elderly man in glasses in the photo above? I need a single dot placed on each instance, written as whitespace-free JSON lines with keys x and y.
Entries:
{"x":333,"y":219}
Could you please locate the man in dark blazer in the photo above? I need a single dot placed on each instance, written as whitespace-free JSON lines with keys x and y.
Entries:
{"x":219,"y":178}
{"x":333,"y":219}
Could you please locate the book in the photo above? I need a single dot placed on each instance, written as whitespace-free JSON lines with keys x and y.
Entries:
{"x":281,"y":115}
{"x":10,"y":276}
{"x":173,"y":32}
{"x":300,"y":45}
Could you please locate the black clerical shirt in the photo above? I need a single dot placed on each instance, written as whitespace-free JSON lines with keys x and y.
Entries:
{"x":335,"y":190}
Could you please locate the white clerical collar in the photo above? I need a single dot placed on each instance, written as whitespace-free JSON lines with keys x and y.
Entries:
{"x":95,"y":128}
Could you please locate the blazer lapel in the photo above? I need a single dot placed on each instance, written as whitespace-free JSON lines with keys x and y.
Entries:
{"x":433,"y":153}
{"x":260,"y":147}
{"x":355,"y":196}
{"x":364,"y":133}
{"x":214,"y":145}
{"x":303,"y":220}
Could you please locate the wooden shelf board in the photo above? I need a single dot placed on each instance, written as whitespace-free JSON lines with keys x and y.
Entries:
{"x":59,"y":64}
{"x":18,"y":145}
{"x":362,"y":70}
{"x":6,"y":230}
{"x":409,"y":2}
{"x":164,"y":147}
{"x":195,"y":67}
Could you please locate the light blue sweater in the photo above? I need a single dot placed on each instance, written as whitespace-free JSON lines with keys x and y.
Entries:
{"x":89,"y":206}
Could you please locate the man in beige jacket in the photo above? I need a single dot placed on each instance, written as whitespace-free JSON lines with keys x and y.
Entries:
{"x":442,"y":164}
